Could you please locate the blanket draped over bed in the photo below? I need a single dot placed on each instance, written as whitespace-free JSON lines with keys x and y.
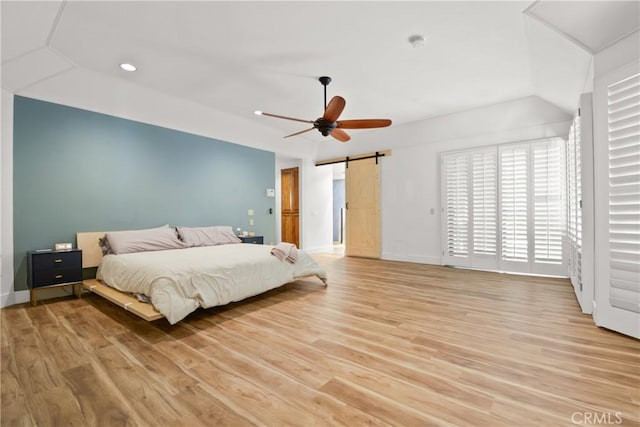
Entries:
{"x":179,"y":281}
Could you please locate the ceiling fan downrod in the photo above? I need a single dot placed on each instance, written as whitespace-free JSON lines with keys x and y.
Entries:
{"x":325,"y":80}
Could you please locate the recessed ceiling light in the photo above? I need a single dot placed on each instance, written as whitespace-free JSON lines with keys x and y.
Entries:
{"x":128,"y":67}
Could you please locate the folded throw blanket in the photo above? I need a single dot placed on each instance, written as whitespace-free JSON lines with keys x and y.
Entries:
{"x":285,"y":252}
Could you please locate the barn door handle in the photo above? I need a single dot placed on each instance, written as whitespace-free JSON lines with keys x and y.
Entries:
{"x":347,"y":205}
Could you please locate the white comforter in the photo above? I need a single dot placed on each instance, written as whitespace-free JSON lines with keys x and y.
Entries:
{"x":180,"y":280}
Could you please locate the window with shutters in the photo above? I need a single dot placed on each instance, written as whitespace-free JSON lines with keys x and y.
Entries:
{"x":485,"y":202}
{"x":504,"y":207}
{"x":514,"y":202}
{"x":623,"y":113}
{"x":456,"y":170}
{"x":578,"y":180}
{"x":574,"y":202}
{"x":548,"y":209}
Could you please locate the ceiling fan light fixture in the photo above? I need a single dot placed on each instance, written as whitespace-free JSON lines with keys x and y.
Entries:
{"x":128,"y":67}
{"x":257,"y":112}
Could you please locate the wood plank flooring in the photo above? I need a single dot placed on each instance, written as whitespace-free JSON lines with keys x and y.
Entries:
{"x":386,"y":343}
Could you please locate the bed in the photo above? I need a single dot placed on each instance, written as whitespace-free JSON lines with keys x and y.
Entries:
{"x":177,"y":281}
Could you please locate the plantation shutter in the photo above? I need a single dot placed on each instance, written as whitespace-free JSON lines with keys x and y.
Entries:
{"x":574,"y":199}
{"x":485,"y":199}
{"x":623,"y":112}
{"x":578,"y":189}
{"x":484,"y":219}
{"x":503,"y":207}
{"x":456,"y":205}
{"x":548,"y":222}
{"x":514,"y":203}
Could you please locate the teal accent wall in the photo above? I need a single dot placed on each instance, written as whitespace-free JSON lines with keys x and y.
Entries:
{"x":76,"y":170}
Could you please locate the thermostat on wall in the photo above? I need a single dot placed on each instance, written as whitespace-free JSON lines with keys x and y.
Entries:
{"x":271,"y":192}
{"x":63,"y":246}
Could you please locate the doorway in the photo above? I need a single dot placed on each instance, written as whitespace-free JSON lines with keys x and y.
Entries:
{"x":339,"y":211}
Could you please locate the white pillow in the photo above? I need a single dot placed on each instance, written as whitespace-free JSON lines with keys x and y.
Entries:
{"x":152,"y":239}
{"x":207,"y":236}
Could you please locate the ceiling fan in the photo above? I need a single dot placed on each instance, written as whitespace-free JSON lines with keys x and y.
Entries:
{"x":329,"y":124}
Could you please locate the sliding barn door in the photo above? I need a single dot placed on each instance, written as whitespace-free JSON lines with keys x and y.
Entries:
{"x":363,"y":208}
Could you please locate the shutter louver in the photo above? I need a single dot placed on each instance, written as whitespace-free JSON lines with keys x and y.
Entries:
{"x":485,"y":200}
{"x":623,"y":99}
{"x":457,"y":205}
{"x":547,"y":207}
{"x":514,"y":204}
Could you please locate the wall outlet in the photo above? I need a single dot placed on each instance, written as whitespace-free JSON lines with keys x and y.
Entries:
{"x":63,"y":246}
{"x":251,"y":221}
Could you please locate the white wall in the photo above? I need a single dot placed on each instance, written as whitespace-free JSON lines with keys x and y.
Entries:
{"x":7,"y":296}
{"x":411,"y":176}
{"x":316,"y":211}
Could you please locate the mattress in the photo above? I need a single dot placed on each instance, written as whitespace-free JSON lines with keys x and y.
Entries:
{"x":179,"y":281}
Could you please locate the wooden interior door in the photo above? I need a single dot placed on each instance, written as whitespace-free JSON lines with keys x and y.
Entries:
{"x":290,"y":221}
{"x":363,"y":208}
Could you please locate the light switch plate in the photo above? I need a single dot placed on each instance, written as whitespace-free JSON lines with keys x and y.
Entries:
{"x":271,"y":192}
{"x":250,"y":212}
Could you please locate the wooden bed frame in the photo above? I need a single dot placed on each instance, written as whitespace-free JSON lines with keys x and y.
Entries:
{"x":91,"y":257}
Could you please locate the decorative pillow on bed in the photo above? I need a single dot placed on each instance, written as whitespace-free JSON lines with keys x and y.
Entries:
{"x":152,"y":239}
{"x":207,"y":236}
{"x":103,"y":242}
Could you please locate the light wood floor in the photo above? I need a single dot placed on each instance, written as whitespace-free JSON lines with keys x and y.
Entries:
{"x":386,"y":343}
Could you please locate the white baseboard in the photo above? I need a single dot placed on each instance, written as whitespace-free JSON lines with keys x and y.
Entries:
{"x":13,"y":298}
{"x":419,"y":259}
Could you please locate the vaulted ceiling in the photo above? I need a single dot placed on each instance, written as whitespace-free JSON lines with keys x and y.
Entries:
{"x":205,"y":66}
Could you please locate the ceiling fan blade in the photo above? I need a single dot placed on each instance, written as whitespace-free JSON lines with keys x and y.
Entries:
{"x":262,"y":113}
{"x":298,"y":133}
{"x":340,"y":135}
{"x":334,"y":109}
{"x":364,"y":123}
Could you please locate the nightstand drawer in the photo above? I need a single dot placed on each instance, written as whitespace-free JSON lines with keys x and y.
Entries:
{"x":258,"y":240}
{"x":55,"y":276}
{"x":56,"y":260}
